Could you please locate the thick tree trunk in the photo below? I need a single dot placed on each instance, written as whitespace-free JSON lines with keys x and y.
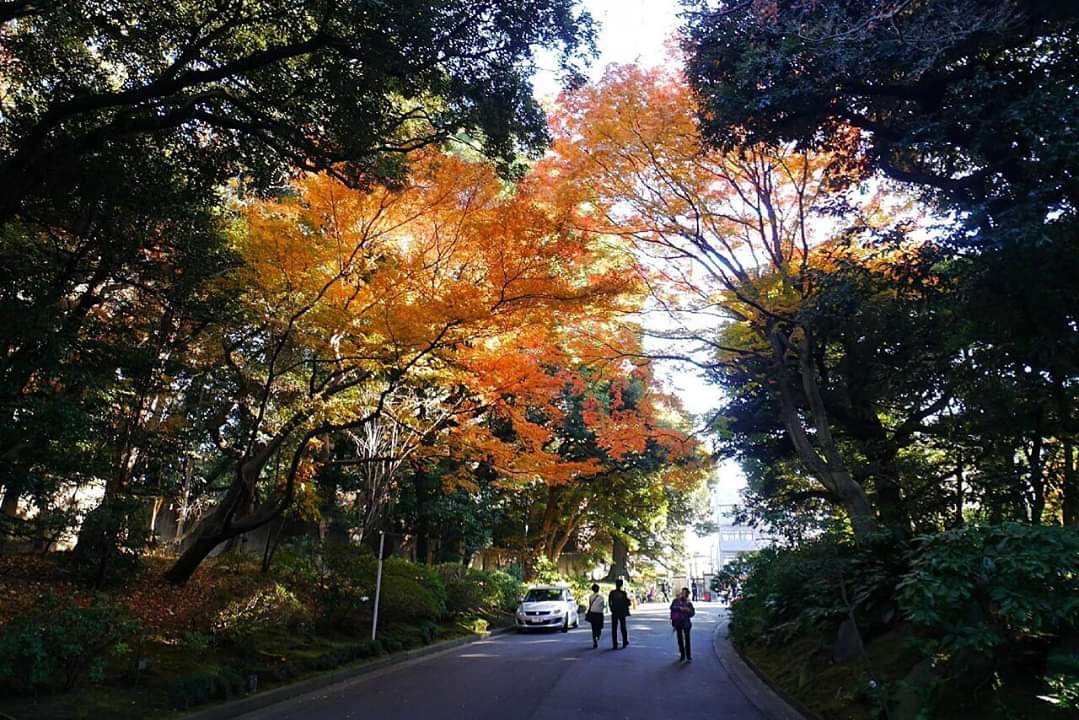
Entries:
{"x":225,"y":521}
{"x":829,"y":470}
{"x":619,"y":560}
{"x":892,"y":507}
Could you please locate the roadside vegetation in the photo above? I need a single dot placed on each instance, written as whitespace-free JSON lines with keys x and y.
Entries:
{"x":284,"y":283}
{"x":903,"y":397}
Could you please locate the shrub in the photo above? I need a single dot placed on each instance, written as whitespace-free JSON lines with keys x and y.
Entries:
{"x":407,"y":601}
{"x":428,"y":632}
{"x":505,"y":589}
{"x":544,"y":571}
{"x":465,"y":590}
{"x":985,"y":587}
{"x":205,"y":685}
{"x":469,"y":590}
{"x":112,"y":538}
{"x":778,"y":593}
{"x":58,"y":644}
{"x":268,"y":608}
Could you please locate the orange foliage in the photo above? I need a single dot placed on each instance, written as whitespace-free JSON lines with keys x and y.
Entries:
{"x":451,"y":282}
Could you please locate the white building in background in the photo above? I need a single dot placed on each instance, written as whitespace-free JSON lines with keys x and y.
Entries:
{"x":735,"y":540}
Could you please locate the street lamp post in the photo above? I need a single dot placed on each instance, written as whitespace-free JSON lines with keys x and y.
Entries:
{"x":378,"y":583}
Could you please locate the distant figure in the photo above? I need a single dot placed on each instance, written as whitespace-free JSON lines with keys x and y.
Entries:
{"x":618,"y":601}
{"x":594,"y":616}
{"x":681,"y":612}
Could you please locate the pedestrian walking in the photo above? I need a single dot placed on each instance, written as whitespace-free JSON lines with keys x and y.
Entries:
{"x":594,"y":616}
{"x":618,"y":601}
{"x":681,"y":612}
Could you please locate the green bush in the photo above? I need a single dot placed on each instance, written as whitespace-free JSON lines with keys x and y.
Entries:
{"x":464,"y":592}
{"x":469,"y":590}
{"x":268,"y":608}
{"x":984,"y":588}
{"x":344,"y":586}
{"x":112,"y":539}
{"x":778,"y":593}
{"x":58,"y":644}
{"x":505,"y":589}
{"x":205,"y":685}
{"x":407,"y":601}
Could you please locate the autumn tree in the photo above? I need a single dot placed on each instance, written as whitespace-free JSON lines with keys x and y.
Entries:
{"x":351,"y":296}
{"x":122,"y":124}
{"x":716,"y":224}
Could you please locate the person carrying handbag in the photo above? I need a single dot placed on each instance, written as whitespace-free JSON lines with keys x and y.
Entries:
{"x":594,"y":616}
{"x":681,"y":612}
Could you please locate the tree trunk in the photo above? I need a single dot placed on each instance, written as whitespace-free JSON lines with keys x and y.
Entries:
{"x":619,"y":560}
{"x":222,"y":524}
{"x":9,"y":508}
{"x":1071,"y":485}
{"x":829,"y":470}
{"x":551,"y":514}
{"x":1037,"y":477}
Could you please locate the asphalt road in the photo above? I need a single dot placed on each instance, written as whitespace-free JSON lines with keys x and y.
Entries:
{"x":544,"y":676}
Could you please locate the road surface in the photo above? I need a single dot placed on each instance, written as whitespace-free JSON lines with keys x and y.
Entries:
{"x":544,"y":676}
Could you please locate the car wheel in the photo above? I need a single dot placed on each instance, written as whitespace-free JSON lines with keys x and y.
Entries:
{"x":565,"y":625}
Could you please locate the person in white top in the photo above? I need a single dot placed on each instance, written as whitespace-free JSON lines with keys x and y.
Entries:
{"x":596,"y":606}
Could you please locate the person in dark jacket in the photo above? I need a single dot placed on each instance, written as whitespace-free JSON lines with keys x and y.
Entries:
{"x":681,"y":612}
{"x":618,"y":602}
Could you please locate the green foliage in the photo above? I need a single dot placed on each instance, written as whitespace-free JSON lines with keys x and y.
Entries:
{"x":340,"y":578}
{"x":1063,"y":691}
{"x":428,"y":632}
{"x":406,"y":600}
{"x":986,"y":604}
{"x":958,"y":110}
{"x":544,"y":571}
{"x":469,"y":590}
{"x":196,"y":640}
{"x":985,"y":587}
{"x":505,"y":589}
{"x":58,"y":644}
{"x":112,"y":538}
{"x":776,"y":594}
{"x":266,"y":609}
{"x":205,"y":685}
{"x":342,"y":583}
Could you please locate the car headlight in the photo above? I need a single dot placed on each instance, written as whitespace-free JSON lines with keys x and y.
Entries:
{"x":558,"y":611}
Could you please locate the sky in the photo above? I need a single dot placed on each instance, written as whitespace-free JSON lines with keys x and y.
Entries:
{"x":630,"y":31}
{"x":638,"y":31}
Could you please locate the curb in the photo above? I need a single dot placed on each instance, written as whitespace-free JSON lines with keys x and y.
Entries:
{"x":772,"y":702}
{"x":234,"y":708}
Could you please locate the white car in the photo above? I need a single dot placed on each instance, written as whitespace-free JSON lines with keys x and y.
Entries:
{"x":547,"y":606}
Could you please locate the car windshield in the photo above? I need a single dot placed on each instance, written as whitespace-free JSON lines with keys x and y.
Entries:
{"x":543,"y":595}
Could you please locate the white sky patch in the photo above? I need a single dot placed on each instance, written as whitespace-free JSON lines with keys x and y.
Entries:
{"x":630,"y":31}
